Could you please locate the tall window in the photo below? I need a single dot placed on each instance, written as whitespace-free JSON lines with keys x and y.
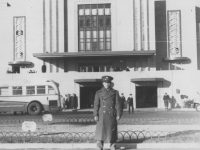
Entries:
{"x":94,"y":27}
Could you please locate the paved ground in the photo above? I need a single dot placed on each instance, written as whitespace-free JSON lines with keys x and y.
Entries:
{"x":105,"y":149}
{"x":179,"y":117}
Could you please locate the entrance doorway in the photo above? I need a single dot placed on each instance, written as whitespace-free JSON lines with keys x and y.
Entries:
{"x":15,"y":69}
{"x":87,"y":96}
{"x":146,"y":96}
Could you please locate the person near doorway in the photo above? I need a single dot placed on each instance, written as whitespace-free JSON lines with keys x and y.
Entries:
{"x":62,"y":102}
{"x":107,"y":111}
{"x":74,"y":101}
{"x":130,"y":103}
{"x":122,"y":101}
{"x":67,"y":101}
{"x":91,"y":100}
{"x":166,"y":101}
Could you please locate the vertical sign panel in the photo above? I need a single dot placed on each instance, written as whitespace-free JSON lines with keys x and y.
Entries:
{"x":136,"y":23}
{"x":174,"y":33}
{"x":144,"y":24}
{"x":19,"y":38}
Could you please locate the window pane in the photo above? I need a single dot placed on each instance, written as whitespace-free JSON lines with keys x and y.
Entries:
{"x":88,"y":34}
{"x":81,"y":34}
{"x":82,"y":69}
{"x":101,"y":21}
{"x":101,"y":34}
{"x":101,"y":46}
{"x":88,"y":46}
{"x":88,"y":22}
{"x":101,"y":9}
{"x":30,"y":90}
{"x":108,"y":45}
{"x":94,"y":34}
{"x":102,"y":69}
{"x":81,"y":12}
{"x":17,"y":90}
{"x":81,"y":22}
{"x":89,"y":69}
{"x":107,"y":9}
{"x":4,"y":91}
{"x":108,"y":34}
{"x":81,"y":46}
{"x":108,"y":21}
{"x":87,"y":11}
{"x":94,"y":21}
{"x":40,"y":89}
{"x":94,"y":46}
{"x":51,"y":90}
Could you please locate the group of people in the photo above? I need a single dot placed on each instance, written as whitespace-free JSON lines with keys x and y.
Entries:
{"x":129,"y":102}
{"x":70,"y":101}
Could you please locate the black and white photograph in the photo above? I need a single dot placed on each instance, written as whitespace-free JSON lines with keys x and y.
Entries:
{"x":99,"y":74}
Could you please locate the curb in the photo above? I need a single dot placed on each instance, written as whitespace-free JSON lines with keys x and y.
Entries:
{"x":107,"y":146}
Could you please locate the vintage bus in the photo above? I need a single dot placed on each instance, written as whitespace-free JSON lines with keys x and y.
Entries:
{"x":30,"y":97}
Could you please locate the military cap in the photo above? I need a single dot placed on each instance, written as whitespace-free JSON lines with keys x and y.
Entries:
{"x":107,"y":79}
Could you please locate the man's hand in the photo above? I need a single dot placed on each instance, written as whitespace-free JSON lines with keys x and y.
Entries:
{"x":96,"y":118}
{"x":118,"y":117}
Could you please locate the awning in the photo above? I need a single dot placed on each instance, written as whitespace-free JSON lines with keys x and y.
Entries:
{"x":176,"y":59}
{"x":89,"y":82}
{"x":93,"y":54}
{"x":19,"y":63}
{"x":147,"y":80}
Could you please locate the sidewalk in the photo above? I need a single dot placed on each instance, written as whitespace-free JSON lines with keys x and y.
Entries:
{"x":137,"y":110}
{"x":92,"y":146}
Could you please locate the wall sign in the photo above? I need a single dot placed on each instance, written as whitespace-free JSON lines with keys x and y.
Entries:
{"x":174,"y":33}
{"x":19,"y":38}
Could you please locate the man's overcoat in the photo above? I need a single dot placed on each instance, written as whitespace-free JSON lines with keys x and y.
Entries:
{"x":107,"y":108}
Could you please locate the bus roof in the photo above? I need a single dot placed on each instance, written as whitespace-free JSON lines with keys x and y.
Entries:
{"x":28,"y":83}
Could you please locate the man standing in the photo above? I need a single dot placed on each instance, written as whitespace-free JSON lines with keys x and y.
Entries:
{"x":130,"y":103}
{"x":106,"y":113}
{"x":122,"y":100}
{"x":166,"y":100}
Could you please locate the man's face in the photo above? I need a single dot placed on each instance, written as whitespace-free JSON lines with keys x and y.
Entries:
{"x":106,"y":85}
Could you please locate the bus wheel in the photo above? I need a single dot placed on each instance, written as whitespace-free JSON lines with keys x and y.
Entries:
{"x":198,"y":107}
{"x":34,"y":108}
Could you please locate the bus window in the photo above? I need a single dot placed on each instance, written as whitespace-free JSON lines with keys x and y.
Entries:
{"x":51,"y":90}
{"x":17,"y":90}
{"x":4,"y":91}
{"x":40,"y":89}
{"x":30,"y":90}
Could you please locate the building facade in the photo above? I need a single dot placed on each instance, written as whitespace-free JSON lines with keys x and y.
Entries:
{"x":149,"y":46}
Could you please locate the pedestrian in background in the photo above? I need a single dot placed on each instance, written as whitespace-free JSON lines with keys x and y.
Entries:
{"x":166,"y":101}
{"x":91,"y":100}
{"x":130,"y":103}
{"x":74,"y":101}
{"x":122,"y":101}
{"x":63,"y":102}
{"x":107,"y":111}
{"x":66,"y":101}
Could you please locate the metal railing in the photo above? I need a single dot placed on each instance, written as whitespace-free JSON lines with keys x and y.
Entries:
{"x":190,"y":136}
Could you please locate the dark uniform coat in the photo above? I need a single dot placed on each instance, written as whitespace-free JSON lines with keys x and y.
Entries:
{"x":107,"y":108}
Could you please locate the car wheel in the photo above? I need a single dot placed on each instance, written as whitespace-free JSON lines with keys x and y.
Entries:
{"x":34,"y":108}
{"x":198,"y":107}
